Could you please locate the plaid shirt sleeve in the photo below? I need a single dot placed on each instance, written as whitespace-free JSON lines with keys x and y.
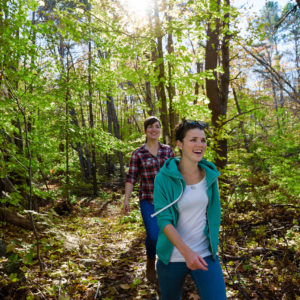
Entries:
{"x":134,"y":168}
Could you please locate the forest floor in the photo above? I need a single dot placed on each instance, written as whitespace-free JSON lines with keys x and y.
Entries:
{"x":98,"y":253}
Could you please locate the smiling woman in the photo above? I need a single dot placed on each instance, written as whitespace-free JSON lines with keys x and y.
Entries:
{"x":188,"y":231}
{"x":137,"y":7}
{"x":145,"y":163}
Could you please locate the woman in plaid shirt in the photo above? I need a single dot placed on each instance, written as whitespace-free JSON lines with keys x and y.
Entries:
{"x":145,"y":163}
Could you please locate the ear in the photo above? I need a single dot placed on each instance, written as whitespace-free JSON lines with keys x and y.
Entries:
{"x":179,"y":144}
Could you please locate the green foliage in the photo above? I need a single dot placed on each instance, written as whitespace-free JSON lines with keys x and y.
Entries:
{"x":50,"y":80}
{"x":132,"y":218}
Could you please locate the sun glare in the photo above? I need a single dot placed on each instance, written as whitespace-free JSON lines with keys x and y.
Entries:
{"x":137,"y":7}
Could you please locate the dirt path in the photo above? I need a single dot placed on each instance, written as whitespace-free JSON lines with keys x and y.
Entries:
{"x":121,"y":255}
{"x":98,"y":253}
{"x":95,"y":253}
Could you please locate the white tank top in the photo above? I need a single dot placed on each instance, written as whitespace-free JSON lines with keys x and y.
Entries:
{"x":192,"y":220}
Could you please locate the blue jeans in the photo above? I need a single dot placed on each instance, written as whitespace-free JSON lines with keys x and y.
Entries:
{"x":151,"y":228}
{"x":210,"y":284}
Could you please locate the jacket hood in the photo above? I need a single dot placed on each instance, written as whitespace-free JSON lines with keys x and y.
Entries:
{"x":170,"y":168}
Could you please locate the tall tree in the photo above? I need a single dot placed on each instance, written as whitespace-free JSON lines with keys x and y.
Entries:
{"x":291,"y":34}
{"x":217,"y":86}
{"x":173,"y":116}
{"x":161,"y":78}
{"x":91,"y":114}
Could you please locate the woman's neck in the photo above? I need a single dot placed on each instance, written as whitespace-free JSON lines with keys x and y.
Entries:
{"x":190,"y":171}
{"x":151,"y":143}
{"x":152,"y":146}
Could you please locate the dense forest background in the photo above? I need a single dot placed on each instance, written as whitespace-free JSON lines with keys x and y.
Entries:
{"x":77,"y":79}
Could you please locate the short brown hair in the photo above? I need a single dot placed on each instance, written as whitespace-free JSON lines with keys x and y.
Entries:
{"x":151,"y":120}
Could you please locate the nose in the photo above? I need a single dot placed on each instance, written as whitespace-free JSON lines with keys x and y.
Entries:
{"x":200,"y":143}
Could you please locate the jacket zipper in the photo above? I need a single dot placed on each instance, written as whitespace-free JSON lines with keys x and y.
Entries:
{"x":170,"y":204}
{"x":212,"y":250}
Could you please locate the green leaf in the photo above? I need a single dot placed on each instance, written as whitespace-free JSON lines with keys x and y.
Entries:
{"x":28,"y":258}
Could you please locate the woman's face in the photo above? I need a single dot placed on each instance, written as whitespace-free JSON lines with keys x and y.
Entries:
{"x":193,"y":145}
{"x":153,"y":131}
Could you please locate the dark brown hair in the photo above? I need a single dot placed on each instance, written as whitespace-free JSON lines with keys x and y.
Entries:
{"x":182,"y":128}
{"x":151,"y":120}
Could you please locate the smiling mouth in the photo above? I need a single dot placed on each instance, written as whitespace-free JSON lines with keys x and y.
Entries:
{"x":198,"y":152}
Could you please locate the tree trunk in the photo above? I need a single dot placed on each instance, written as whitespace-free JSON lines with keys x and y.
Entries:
{"x":18,"y":137}
{"x":217,"y":88}
{"x":212,"y":89}
{"x":116,"y":127}
{"x":161,"y":94}
{"x":173,"y":117}
{"x":67,"y":97}
{"x":148,"y":99}
{"x":274,"y":86}
{"x":109,"y":163}
{"x":83,"y":151}
{"x":297,"y":57}
{"x":83,"y":160}
{"x":197,"y":86}
{"x":94,"y":166}
{"x":241,"y":125}
{"x":14,"y":218}
{"x":224,"y":86}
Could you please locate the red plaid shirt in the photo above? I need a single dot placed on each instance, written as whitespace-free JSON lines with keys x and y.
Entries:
{"x":145,"y":166}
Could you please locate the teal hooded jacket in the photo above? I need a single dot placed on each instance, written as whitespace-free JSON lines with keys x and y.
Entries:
{"x":169,"y":186}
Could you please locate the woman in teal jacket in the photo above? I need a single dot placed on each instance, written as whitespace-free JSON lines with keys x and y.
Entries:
{"x":187,"y":207}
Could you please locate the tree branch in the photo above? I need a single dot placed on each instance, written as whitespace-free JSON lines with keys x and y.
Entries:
{"x":240,"y":114}
{"x":278,"y":77}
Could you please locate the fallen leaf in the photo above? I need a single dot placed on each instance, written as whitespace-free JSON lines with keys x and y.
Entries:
{"x":125,"y":286}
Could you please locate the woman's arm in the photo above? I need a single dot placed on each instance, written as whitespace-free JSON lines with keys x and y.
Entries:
{"x":132,"y":175}
{"x":128,"y":191}
{"x":193,"y":260}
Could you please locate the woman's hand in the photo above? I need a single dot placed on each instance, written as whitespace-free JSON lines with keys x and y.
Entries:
{"x":128,"y":191}
{"x":194,"y":261}
{"x":126,"y":206}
